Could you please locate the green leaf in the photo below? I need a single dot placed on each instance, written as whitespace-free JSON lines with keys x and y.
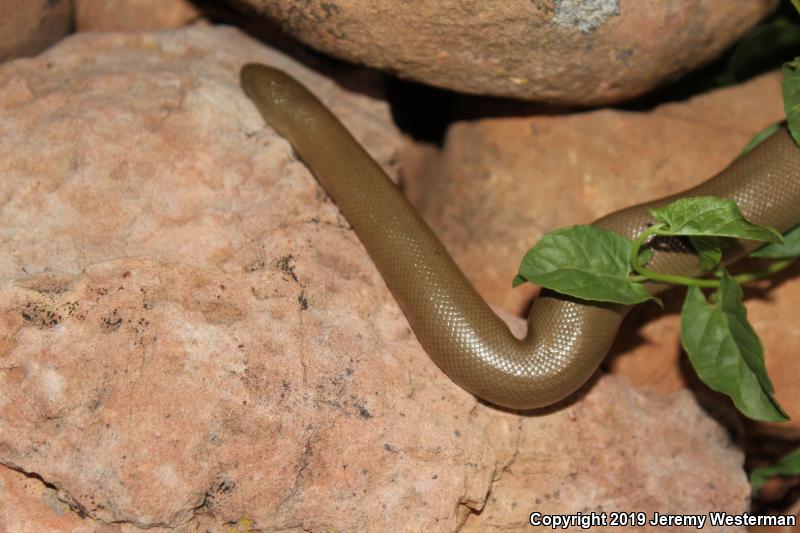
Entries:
{"x":759,"y":137}
{"x":645,"y":255}
{"x":710,"y":217}
{"x":789,"y":465}
{"x":790,"y":247}
{"x":791,"y":97}
{"x":796,"y":4}
{"x":586,"y":262}
{"x":709,"y":250}
{"x":725,"y":351}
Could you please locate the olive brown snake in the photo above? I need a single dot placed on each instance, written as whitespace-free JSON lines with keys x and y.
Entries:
{"x":567,"y":339}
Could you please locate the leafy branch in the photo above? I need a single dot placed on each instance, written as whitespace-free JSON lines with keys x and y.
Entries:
{"x":595,"y":264}
{"x":789,"y":465}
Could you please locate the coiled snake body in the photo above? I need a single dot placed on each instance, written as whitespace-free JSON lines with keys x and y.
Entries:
{"x":567,"y":339}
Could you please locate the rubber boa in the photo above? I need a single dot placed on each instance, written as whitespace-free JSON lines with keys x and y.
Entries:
{"x":567,"y":339}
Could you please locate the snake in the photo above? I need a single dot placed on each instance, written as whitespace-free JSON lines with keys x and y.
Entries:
{"x":567,"y":338}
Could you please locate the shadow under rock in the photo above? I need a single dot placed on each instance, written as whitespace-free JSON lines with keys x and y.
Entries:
{"x":424,"y":112}
{"x":629,"y":337}
{"x":421,"y":111}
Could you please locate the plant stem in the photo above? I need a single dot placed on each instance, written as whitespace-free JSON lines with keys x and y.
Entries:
{"x":646,"y":274}
{"x":659,"y":276}
{"x":774,"y":267}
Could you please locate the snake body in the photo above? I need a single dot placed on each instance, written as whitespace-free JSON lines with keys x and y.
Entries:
{"x":567,"y":339}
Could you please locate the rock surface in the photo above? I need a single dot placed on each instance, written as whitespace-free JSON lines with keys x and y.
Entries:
{"x":585,"y":473}
{"x":133,"y":15}
{"x":27,"y":504}
{"x":27,"y":28}
{"x":500,"y":182}
{"x":192,"y":337}
{"x":567,"y":51}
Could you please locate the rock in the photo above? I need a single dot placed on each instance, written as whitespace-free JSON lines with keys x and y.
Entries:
{"x":166,"y":390}
{"x":27,"y":504}
{"x":191,"y":336}
{"x":158,"y":106}
{"x":27,"y":28}
{"x":133,"y":15}
{"x":560,"y":469}
{"x":147,"y":392}
{"x":501,"y":180}
{"x":565,"y":51}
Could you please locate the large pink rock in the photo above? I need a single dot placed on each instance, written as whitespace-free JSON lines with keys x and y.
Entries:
{"x":28,"y":27}
{"x":567,"y":51}
{"x":191,"y":336}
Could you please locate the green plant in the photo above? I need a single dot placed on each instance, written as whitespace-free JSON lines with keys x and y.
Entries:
{"x":594,"y":264}
{"x":789,"y":465}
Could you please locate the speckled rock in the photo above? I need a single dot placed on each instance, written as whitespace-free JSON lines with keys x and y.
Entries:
{"x":27,"y":28}
{"x":567,"y":51}
{"x":501,"y":182}
{"x":191,"y":336}
{"x":99,"y":220}
{"x":146,"y":392}
{"x":133,"y":15}
{"x":584,"y":474}
{"x":27,"y":504}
